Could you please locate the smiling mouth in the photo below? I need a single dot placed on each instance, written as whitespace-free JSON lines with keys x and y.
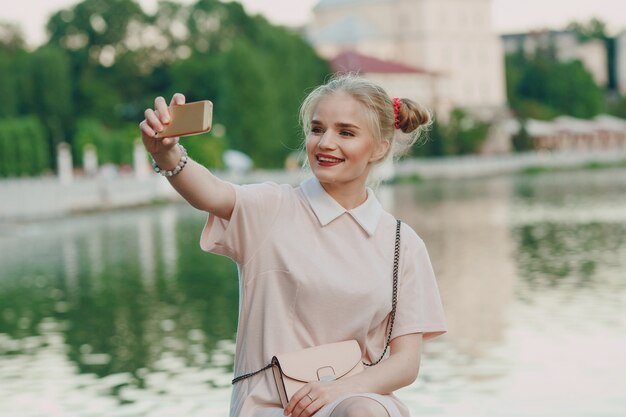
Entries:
{"x":328,"y":160}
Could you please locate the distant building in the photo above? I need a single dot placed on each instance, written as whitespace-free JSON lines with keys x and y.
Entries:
{"x":451,"y":38}
{"x":567,"y":47}
{"x":620,"y":62}
{"x":570,"y":134}
{"x":399,"y":80}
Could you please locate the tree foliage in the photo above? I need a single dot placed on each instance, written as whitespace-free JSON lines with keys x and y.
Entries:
{"x":522,"y":141}
{"x":11,"y":37}
{"x":594,"y":28}
{"x":617,"y":107}
{"x":462,"y":134}
{"x":542,"y":87}
{"x":105,"y":62}
{"x":23,"y":147}
{"x":50,"y":92}
{"x":11,"y":56}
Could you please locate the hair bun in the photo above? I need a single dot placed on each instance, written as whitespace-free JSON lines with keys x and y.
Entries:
{"x":413,"y":116}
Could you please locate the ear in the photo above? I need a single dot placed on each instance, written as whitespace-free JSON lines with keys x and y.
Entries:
{"x":380,"y":151}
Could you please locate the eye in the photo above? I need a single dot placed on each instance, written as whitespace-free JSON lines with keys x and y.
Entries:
{"x":346,"y":133}
{"x":316,"y":130}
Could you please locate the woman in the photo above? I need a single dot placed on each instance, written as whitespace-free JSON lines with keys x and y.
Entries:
{"x":315,"y":261}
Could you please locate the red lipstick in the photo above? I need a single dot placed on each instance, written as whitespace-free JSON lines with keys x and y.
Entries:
{"x":326,"y":160}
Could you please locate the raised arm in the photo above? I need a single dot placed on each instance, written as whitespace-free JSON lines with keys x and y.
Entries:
{"x":195,"y":183}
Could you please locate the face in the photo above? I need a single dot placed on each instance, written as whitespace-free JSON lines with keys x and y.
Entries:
{"x":340,"y":145}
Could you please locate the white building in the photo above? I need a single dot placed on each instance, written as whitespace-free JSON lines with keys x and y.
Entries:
{"x":567,"y":47}
{"x":450,"y":37}
{"x":425,"y":87}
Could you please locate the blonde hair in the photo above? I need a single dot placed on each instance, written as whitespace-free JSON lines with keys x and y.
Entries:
{"x":413,"y":118}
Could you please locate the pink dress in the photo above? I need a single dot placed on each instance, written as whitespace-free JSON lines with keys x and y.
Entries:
{"x":310,"y":273}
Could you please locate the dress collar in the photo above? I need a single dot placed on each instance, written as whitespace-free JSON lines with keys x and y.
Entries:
{"x":326,"y":209}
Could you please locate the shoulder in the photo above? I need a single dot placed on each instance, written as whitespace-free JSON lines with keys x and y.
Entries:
{"x":267,"y":187}
{"x":264,"y":190}
{"x":409,"y":238}
{"x":261,"y":199}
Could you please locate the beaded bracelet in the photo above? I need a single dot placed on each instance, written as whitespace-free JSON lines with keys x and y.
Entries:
{"x":179,"y":167}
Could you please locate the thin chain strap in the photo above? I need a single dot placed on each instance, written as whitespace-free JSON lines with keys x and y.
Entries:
{"x":244,"y":376}
{"x":394,"y":296}
{"x":394,"y":302}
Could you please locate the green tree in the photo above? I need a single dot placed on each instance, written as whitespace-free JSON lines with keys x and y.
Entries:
{"x":238,"y":73}
{"x":91,"y":26}
{"x":542,"y":87}
{"x":516,"y":65}
{"x":12,"y":46}
{"x":435,"y":142}
{"x":198,"y":78}
{"x":103,"y":42}
{"x":49,"y":94}
{"x":11,"y":37}
{"x":617,"y":107}
{"x":595,"y":28}
{"x":299,"y":69}
{"x":250,"y":107}
{"x":8,"y":85}
{"x":23,"y":147}
{"x":465,"y":132}
{"x":113,"y":145}
{"x":462,"y":134}
{"x":522,"y":141}
{"x":104,"y":63}
{"x":255,"y":73}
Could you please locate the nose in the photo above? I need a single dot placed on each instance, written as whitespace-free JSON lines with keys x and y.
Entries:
{"x":326,"y":141}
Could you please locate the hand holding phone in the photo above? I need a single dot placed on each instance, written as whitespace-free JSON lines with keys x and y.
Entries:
{"x":188,"y":119}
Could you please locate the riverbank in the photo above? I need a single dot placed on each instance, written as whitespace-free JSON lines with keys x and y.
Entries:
{"x":476,"y":166}
{"x":27,"y":199}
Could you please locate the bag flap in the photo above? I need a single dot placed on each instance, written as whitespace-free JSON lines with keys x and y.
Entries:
{"x":303,"y":365}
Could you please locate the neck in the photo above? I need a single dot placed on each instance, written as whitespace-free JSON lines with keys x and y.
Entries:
{"x":348,"y":196}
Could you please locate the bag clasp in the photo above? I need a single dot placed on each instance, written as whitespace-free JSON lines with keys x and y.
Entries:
{"x":326,"y":373}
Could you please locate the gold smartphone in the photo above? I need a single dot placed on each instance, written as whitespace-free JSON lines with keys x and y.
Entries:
{"x":188,"y":119}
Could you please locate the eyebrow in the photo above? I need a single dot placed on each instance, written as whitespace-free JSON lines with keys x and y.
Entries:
{"x":347,"y":125}
{"x":339,"y":124}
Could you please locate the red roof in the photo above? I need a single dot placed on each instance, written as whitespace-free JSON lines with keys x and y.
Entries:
{"x":350,"y":61}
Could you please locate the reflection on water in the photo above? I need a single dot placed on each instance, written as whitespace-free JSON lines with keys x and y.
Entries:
{"x":470,"y":243}
{"x":121,"y":314}
{"x":114,"y":314}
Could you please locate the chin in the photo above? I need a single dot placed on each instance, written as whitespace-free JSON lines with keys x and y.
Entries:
{"x":324,"y":176}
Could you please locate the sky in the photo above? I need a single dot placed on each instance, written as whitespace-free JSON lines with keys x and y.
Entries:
{"x":508,"y":16}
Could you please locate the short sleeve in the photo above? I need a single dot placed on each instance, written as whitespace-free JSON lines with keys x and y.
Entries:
{"x":255,"y":211}
{"x":419,"y":308}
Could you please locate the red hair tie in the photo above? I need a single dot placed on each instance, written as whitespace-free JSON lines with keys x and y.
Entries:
{"x":396,"y":111}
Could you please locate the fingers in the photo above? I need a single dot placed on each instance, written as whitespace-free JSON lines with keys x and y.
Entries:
{"x":303,"y":405}
{"x":177,"y":99}
{"x":305,"y":408}
{"x":146,"y":129}
{"x":296,"y":398}
{"x":152,"y":123}
{"x":161,"y":109}
{"x":155,"y":121}
{"x":311,"y":408}
{"x":160,"y":116}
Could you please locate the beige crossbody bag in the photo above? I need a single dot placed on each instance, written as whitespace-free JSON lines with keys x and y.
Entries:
{"x":327,"y":362}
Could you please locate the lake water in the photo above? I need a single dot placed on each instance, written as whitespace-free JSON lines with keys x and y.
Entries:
{"x":120,"y":314}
